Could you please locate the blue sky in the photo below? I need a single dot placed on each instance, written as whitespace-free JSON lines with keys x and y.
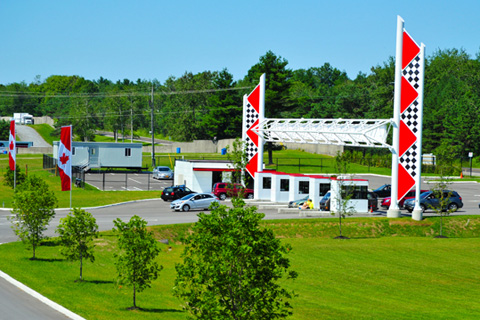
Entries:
{"x":157,"y":39}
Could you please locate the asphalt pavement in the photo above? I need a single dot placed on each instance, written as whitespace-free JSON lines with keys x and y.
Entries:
{"x":27,"y":133}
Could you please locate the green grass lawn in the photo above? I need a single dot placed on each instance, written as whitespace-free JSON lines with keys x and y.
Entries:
{"x":46,"y":131}
{"x":383,"y":272}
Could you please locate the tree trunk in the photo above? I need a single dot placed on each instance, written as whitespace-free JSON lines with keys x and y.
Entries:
{"x":134,"y":302}
{"x":270,"y":153}
{"x":81,"y":265}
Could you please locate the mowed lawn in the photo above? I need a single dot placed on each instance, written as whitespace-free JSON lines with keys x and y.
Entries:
{"x":363,"y":278}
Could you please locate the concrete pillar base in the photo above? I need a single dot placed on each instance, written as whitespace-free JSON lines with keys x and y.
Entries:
{"x":417,"y":215}
{"x":393,"y":213}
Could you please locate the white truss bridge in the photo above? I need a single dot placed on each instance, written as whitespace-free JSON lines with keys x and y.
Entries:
{"x":346,"y":132}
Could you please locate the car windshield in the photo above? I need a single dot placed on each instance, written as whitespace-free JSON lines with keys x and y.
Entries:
{"x":163,"y":169}
{"x":326,"y":196}
{"x":188,"y":196}
{"x":424,"y":195}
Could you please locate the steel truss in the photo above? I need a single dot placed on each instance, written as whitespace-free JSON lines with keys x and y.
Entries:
{"x":346,"y":132}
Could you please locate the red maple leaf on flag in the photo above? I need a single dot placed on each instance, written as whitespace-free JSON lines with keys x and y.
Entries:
{"x":11,"y":145}
{"x":64,"y":159}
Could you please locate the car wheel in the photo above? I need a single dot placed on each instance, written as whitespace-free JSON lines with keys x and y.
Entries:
{"x":409,"y":210}
{"x":223,"y":196}
{"x":452,"y":207}
{"x":250,"y":196}
{"x":422,"y":206}
{"x":186,"y":207}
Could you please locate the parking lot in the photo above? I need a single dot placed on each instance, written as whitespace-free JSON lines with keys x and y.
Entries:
{"x":126,"y":181}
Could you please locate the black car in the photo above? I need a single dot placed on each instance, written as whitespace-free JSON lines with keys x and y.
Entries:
{"x":384,"y":191}
{"x":175,"y":192}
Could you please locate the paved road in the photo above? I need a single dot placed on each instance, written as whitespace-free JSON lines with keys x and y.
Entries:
{"x":27,"y":133}
{"x":17,"y":305}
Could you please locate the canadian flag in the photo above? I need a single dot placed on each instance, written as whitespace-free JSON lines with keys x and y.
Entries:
{"x":65,"y":157}
{"x":12,"y":146}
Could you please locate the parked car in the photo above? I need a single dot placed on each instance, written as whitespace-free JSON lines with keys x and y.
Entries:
{"x":325,"y":202}
{"x":222,"y":190}
{"x":371,"y":197}
{"x":431,"y":199}
{"x":297,"y":203}
{"x":410,"y":194}
{"x":162,"y":173}
{"x":194,"y":201}
{"x":384,"y":191}
{"x":175,"y":192}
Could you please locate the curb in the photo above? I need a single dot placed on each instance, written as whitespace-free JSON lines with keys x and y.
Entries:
{"x":99,"y":207}
{"x":38,"y":296}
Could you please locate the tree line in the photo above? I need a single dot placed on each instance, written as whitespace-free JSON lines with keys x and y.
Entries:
{"x":209,"y":104}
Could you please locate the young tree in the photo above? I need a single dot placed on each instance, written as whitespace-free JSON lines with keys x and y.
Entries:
{"x":33,"y":209}
{"x":10,"y":179}
{"x":238,"y":156}
{"x":77,"y":231}
{"x":136,"y":265}
{"x":342,"y":208}
{"x":231,"y":267}
{"x":442,"y":206}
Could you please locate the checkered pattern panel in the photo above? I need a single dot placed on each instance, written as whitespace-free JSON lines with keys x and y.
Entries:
{"x":410,"y":158}
{"x":411,"y":73}
{"x":250,"y":117}
{"x":411,"y":118}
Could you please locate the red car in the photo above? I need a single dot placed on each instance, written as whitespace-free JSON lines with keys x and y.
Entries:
{"x":410,"y":195}
{"x":222,"y":190}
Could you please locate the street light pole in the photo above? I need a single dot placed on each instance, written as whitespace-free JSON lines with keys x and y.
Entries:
{"x":152,"y":130}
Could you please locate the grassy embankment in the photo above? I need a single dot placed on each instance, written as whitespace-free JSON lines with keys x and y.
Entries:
{"x":390,"y":269}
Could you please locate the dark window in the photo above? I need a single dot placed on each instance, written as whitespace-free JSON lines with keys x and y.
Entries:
{"x":324,"y":188}
{"x":73,"y":151}
{"x":284,"y":184}
{"x":267,"y":183}
{"x":355,"y":192}
{"x":128,"y":152}
{"x":303,"y":187}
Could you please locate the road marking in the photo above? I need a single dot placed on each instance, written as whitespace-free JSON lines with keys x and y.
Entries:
{"x":135,"y":180}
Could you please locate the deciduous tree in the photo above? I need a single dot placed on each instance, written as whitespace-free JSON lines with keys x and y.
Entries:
{"x":136,"y":264}
{"x":232,"y":267}
{"x":77,"y":231}
{"x":33,"y":209}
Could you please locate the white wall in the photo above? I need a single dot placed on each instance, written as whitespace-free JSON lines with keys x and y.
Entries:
{"x":202,"y":181}
{"x":276,"y":194}
{"x":259,"y":192}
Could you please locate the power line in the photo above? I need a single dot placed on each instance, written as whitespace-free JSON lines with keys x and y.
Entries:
{"x":107,"y":95}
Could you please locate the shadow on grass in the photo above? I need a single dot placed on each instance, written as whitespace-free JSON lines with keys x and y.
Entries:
{"x":46,"y":260}
{"x":98,"y":281}
{"x":155,"y":310}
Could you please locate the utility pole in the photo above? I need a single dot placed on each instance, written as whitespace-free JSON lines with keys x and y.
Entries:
{"x":131,"y":123}
{"x":153,"y":131}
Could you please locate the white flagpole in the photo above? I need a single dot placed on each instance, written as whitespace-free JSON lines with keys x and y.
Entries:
{"x":417,"y":213}
{"x":261,"y":116}
{"x":394,"y":211}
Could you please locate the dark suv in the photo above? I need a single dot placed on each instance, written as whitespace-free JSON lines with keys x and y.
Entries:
{"x":222,"y":190}
{"x":175,"y":192}
{"x":431,"y":199}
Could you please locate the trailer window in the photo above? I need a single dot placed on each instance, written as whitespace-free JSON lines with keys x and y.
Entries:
{"x":128,"y":152}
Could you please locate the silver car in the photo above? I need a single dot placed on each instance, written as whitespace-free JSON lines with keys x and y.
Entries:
{"x":162,"y":173}
{"x":194,"y":201}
